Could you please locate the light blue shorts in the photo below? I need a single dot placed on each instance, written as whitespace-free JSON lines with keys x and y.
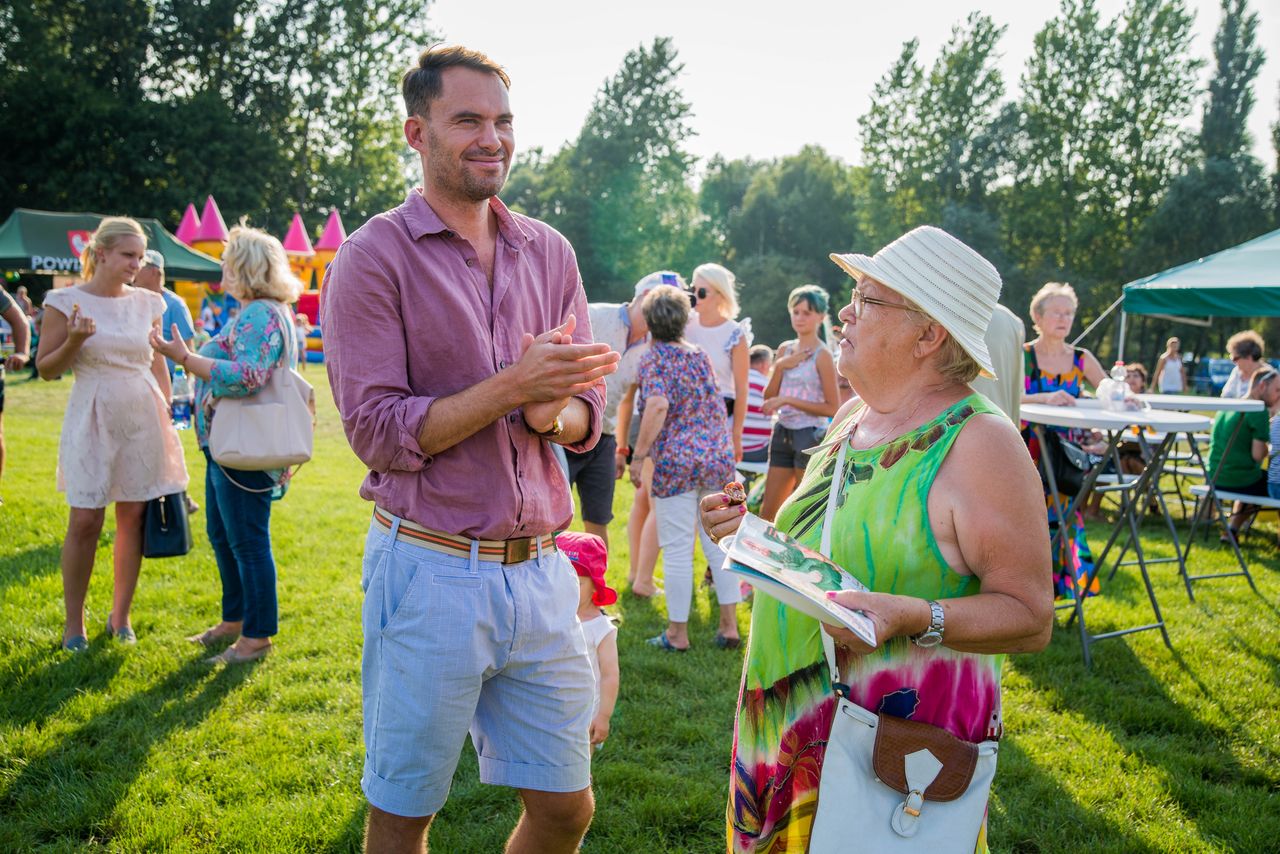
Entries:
{"x":453,"y":644}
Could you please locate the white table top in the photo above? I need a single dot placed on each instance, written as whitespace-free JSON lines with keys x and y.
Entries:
{"x":1089,"y":415}
{"x":1195,"y":403}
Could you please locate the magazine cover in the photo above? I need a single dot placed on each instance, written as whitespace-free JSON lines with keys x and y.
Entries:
{"x":796,"y":575}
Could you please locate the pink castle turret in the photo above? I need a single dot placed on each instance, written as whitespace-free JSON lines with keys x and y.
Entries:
{"x":190,"y":225}
{"x":327,"y":246}
{"x":211,"y":237}
{"x":334,"y":233}
{"x":296,"y":241}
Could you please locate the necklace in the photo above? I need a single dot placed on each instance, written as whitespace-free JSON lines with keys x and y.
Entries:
{"x":896,"y":424}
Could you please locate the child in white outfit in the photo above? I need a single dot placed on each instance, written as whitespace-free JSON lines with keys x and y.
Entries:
{"x":589,"y":557}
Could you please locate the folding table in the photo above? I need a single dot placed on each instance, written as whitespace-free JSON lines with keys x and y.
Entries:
{"x":1090,"y":415}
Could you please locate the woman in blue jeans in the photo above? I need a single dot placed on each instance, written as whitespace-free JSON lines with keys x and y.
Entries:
{"x":238,"y":363}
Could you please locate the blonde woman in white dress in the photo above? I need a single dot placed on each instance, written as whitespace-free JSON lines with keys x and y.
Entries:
{"x":118,"y":444}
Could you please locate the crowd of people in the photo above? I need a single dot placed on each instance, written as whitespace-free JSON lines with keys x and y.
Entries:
{"x":475,"y":383}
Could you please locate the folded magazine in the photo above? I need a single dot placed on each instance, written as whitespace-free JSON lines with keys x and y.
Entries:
{"x":796,"y":575}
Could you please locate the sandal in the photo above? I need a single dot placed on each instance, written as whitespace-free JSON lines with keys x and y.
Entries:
{"x":76,"y":643}
{"x":231,"y":655}
{"x":1229,"y":536}
{"x":124,"y":634}
{"x":727,"y":643}
{"x":211,"y":637}
{"x":664,"y":643}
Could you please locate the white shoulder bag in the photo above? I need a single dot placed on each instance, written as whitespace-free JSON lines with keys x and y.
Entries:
{"x":273,"y":428}
{"x":890,"y":784}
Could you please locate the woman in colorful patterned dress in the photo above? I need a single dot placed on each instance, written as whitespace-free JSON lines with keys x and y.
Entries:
{"x":1055,"y":374}
{"x":683,"y":428}
{"x":958,"y":571}
{"x":238,"y":363}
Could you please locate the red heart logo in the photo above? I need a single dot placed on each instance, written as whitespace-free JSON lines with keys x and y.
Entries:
{"x":78,"y":241}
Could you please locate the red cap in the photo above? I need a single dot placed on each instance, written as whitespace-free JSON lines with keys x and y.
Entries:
{"x":589,"y":557}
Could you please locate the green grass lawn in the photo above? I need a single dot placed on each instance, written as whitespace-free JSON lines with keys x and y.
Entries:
{"x":145,"y":748}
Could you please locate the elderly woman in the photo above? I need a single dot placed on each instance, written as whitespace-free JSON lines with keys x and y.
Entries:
{"x":1056,"y":373}
{"x":1245,"y":349}
{"x":714,"y":327}
{"x":238,"y":363}
{"x":958,"y":572}
{"x":682,"y":427}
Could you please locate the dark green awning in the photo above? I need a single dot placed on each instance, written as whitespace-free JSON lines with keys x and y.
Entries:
{"x":47,"y":242}
{"x":1243,"y":281}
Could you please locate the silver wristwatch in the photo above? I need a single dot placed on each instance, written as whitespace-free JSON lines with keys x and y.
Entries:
{"x":931,"y":636}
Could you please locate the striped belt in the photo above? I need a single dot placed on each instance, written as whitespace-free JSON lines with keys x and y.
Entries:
{"x":491,"y":551}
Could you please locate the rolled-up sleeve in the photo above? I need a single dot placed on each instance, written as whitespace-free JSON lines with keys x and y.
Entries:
{"x":365,"y":355}
{"x":576,"y":304}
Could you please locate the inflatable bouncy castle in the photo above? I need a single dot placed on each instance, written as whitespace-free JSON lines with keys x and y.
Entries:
{"x":213,"y":307}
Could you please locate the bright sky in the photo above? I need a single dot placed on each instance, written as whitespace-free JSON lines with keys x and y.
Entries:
{"x":766,"y":78}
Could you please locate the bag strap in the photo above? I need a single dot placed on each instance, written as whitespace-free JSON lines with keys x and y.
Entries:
{"x":833,"y":495}
{"x":288,"y":353}
{"x":240,"y":485}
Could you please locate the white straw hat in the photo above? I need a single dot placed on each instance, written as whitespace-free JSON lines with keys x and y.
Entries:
{"x":950,"y":282}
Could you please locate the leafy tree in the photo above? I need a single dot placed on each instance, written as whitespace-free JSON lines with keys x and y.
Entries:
{"x":720,"y":198}
{"x":1237,"y":60}
{"x":1151,"y":92}
{"x":801,"y":207}
{"x":1222,"y":200}
{"x":621,"y":191}
{"x":143,"y":105}
{"x":1061,"y":139}
{"x":892,"y":148}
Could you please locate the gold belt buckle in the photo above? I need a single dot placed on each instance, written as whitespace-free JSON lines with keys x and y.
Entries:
{"x":516,"y":551}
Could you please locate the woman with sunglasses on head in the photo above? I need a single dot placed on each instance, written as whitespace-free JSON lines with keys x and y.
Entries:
{"x":1245,"y":349}
{"x":801,"y":394}
{"x":713,"y":327}
{"x":1056,"y":374}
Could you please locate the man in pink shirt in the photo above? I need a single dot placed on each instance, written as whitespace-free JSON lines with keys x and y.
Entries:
{"x":458,"y":346}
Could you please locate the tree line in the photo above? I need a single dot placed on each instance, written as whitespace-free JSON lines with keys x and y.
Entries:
{"x":1109,"y":162}
{"x":1093,"y":174}
{"x":145,"y":105}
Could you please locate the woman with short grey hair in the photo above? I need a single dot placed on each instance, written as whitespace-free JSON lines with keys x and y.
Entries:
{"x":683,"y":429}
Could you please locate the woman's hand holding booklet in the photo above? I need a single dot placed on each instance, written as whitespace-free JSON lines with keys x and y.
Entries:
{"x":795,"y":575}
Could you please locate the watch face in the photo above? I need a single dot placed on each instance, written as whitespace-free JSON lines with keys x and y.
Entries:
{"x":928,"y":639}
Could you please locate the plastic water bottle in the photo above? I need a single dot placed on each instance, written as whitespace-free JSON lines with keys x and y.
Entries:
{"x":183,"y":399}
{"x":1119,"y":388}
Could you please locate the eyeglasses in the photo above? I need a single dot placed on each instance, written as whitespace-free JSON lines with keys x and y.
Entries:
{"x":859,"y":301}
{"x":702,"y":293}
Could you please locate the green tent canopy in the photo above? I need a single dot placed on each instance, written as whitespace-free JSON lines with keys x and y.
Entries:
{"x":1243,"y":281}
{"x":48,"y":242}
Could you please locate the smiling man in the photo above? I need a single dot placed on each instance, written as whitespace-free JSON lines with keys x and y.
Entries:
{"x":459,"y":349}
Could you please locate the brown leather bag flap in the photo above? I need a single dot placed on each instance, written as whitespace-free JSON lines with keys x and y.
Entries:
{"x":898,"y":737}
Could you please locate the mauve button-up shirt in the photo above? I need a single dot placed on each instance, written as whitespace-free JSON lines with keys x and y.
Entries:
{"x":409,"y":317}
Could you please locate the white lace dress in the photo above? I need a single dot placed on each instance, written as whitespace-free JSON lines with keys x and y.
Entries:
{"x":118,"y":442}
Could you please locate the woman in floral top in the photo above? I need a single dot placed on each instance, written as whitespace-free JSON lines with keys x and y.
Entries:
{"x":683,"y":429}
{"x":238,"y":363}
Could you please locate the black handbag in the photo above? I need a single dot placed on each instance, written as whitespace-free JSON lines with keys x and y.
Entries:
{"x":166,"y":530}
{"x":1067,"y":460}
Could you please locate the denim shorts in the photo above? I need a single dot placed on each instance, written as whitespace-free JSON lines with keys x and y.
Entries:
{"x":787,"y":446}
{"x":454,"y":645}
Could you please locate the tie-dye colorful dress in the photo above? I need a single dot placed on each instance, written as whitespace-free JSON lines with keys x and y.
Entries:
{"x":880,"y":534}
{"x":1073,"y":561}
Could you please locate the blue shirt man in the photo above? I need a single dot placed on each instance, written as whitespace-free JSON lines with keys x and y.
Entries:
{"x":151,"y":277}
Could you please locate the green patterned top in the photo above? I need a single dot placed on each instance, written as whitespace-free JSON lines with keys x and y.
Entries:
{"x":881,"y":535}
